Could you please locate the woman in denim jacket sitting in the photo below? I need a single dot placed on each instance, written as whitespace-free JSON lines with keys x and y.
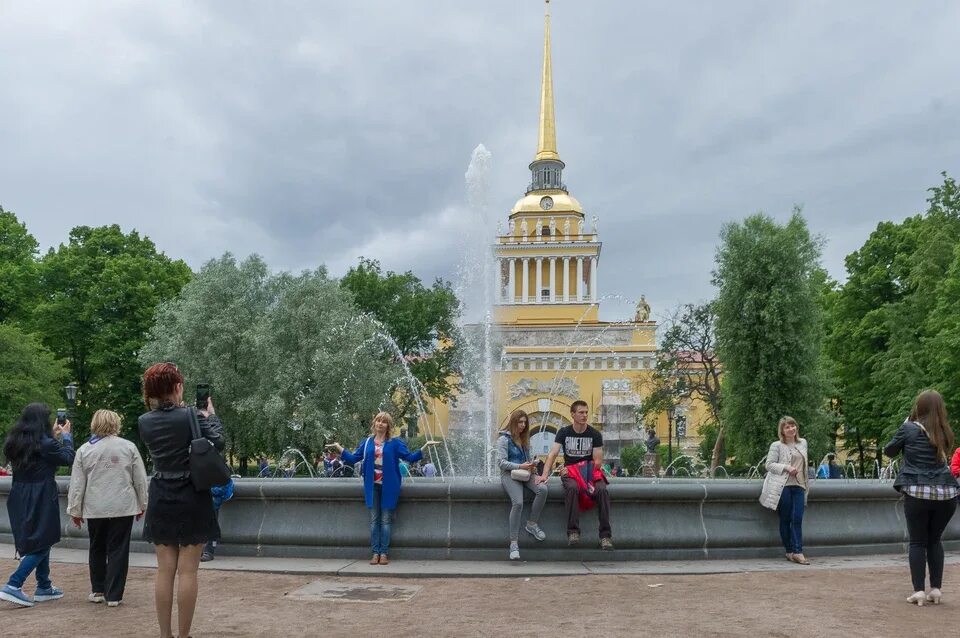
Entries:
{"x":928,"y":487}
{"x":513,"y":453}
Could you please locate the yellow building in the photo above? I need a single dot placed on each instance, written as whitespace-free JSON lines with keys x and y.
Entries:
{"x":551,"y":347}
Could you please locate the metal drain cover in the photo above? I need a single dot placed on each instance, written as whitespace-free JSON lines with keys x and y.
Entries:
{"x":354,"y":592}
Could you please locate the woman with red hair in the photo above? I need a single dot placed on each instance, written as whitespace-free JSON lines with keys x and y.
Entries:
{"x":179,"y":519}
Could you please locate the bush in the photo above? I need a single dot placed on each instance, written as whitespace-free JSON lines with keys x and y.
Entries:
{"x":631,"y":459}
{"x":705,"y":450}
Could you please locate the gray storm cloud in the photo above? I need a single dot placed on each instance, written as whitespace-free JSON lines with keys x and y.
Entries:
{"x":316,"y":132}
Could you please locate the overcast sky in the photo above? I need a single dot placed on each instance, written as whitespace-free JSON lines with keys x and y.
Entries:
{"x":315,"y":132}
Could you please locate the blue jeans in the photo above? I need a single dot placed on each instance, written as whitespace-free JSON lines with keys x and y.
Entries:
{"x":790,"y":510}
{"x":39,"y":561}
{"x":381,"y":522}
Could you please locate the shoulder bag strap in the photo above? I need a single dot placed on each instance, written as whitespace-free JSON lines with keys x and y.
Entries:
{"x":920,"y":425}
{"x":940,"y":457}
{"x":194,"y":424}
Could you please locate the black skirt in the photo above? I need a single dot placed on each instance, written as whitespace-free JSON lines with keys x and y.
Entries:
{"x":177,"y":514}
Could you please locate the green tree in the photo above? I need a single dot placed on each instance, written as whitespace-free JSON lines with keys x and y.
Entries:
{"x":289,"y":360}
{"x":892,"y":327}
{"x":688,"y":369}
{"x":631,"y":459}
{"x":209,"y":331}
{"x":18,"y":268}
{"x":769,"y":332}
{"x":98,"y":295}
{"x":422,"y":321}
{"x":28,"y":373}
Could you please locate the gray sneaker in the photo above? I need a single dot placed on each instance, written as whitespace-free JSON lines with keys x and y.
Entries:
{"x":534,"y":530}
{"x":573,"y":538}
{"x":606,"y":544}
{"x":514,"y":551}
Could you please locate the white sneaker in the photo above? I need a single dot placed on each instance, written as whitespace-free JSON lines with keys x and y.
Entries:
{"x":96,"y":598}
{"x":114,"y":603}
{"x":514,"y":551}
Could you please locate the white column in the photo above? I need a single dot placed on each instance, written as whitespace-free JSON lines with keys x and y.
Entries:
{"x":539,"y":278}
{"x":511,"y":285}
{"x":566,"y":280}
{"x":553,"y":280}
{"x":593,"y":279}
{"x":499,"y":279}
{"x":579,"y":278}
{"x":525,"y":294}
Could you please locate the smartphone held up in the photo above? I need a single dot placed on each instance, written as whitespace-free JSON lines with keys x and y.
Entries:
{"x":203,"y":395}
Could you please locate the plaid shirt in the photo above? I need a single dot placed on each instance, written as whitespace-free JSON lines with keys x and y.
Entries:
{"x":931,"y":492}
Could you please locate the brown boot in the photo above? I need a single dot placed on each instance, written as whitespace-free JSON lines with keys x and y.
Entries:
{"x":375,"y":560}
{"x":384,"y":560}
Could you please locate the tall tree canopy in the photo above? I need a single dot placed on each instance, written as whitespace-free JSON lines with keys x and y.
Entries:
{"x":422,"y":321}
{"x":289,"y":360}
{"x":18,"y":268}
{"x":98,"y":295}
{"x":769,"y":332}
{"x":893,"y":326}
{"x":28,"y":373}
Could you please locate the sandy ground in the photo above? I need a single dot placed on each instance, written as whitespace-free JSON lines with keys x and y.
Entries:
{"x":858,"y":602}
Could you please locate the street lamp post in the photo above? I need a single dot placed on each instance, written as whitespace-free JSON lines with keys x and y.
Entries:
{"x":669,"y":437}
{"x":71,"y":391}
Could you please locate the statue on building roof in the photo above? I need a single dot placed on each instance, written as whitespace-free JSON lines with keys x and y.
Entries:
{"x":595,"y":220}
{"x":553,"y":226}
{"x":566,"y":227}
{"x":510,"y":227}
{"x":580,"y":226}
{"x":643,"y":310}
{"x":536,"y":229}
{"x":523,"y":228}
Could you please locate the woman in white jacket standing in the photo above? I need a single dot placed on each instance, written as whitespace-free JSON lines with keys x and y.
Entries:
{"x":785,"y":486}
{"x":108,"y":488}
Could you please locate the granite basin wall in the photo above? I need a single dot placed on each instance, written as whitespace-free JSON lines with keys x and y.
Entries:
{"x":467,"y":519}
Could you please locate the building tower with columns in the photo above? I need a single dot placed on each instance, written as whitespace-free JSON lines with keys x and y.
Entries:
{"x":551,"y":348}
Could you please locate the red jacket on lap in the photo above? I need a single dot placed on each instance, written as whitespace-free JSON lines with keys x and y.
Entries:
{"x":585,"y":490}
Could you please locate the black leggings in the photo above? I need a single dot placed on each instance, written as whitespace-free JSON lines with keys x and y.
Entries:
{"x":926,"y":521}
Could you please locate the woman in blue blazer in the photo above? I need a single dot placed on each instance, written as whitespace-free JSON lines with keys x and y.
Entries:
{"x":381,"y":455}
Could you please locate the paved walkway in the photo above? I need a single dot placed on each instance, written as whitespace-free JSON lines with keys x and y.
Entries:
{"x":498,"y":569}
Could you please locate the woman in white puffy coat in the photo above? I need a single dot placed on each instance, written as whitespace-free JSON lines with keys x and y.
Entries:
{"x":785,"y":486}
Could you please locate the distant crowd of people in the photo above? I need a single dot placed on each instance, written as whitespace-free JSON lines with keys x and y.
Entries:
{"x":110,"y":490}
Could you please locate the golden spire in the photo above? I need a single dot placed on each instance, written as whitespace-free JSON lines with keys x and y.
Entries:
{"x":547,"y":142}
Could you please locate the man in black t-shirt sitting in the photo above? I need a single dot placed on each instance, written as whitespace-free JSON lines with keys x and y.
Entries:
{"x":580,"y":442}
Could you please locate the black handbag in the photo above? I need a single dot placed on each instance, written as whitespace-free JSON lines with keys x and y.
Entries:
{"x":207,"y":467}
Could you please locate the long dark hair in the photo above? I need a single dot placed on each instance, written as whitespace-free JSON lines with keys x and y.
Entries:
{"x":522,"y":439}
{"x":23,"y":441}
{"x":930,"y":410}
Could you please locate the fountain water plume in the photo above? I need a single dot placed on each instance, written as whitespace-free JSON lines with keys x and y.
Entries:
{"x":283,"y":464}
{"x":475,"y":289}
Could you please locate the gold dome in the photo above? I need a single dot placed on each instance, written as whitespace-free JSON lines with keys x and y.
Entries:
{"x":562,"y":203}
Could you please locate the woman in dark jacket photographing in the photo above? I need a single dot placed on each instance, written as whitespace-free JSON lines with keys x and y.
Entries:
{"x":33,"y":504}
{"x":929,"y":489}
{"x":179,"y":519}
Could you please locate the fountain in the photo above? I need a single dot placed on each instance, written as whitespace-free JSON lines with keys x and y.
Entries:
{"x":472,"y":421}
{"x":291,"y":462}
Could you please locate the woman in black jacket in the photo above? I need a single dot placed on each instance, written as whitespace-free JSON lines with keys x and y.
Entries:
{"x":179,"y":520}
{"x":33,"y":503}
{"x":929,"y":489}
